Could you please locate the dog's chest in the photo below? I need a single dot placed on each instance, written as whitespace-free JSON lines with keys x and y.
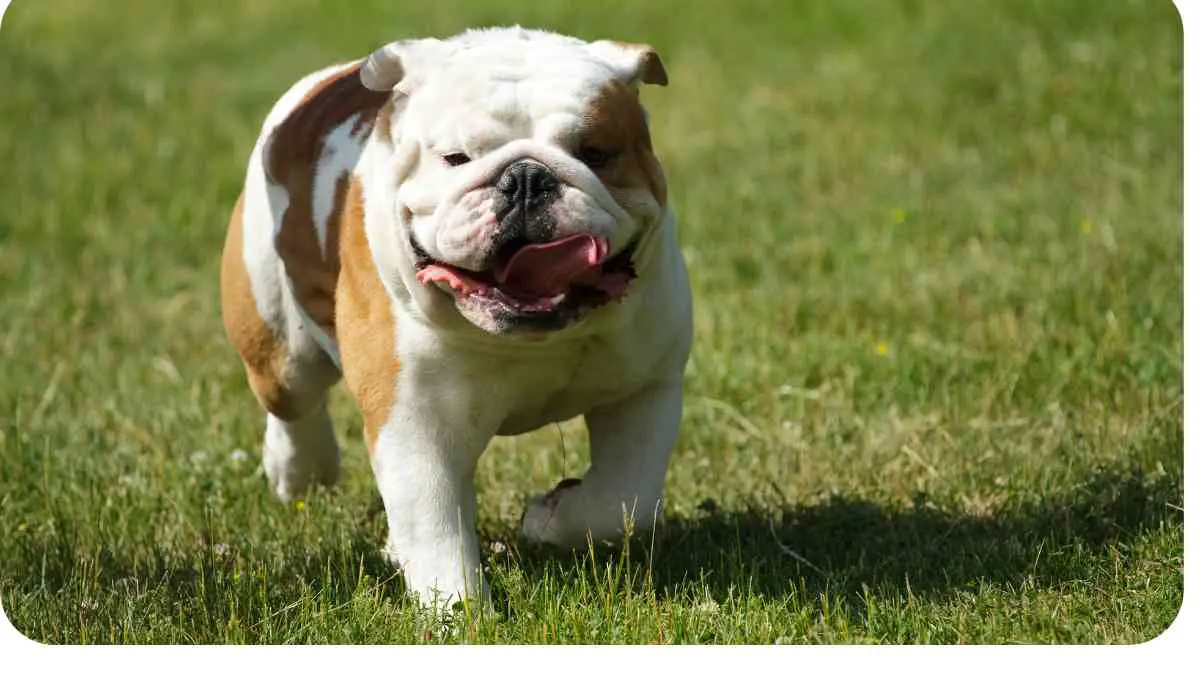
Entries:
{"x":561,"y":389}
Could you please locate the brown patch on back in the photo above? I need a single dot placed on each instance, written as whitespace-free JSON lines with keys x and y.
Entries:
{"x":615,"y":123}
{"x":263,"y":354}
{"x":366,"y":327}
{"x":292,"y":155}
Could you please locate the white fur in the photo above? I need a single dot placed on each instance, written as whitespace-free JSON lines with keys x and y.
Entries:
{"x":500,"y":95}
{"x":336,"y":165}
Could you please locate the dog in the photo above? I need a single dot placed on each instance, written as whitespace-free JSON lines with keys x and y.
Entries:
{"x":474,"y":233}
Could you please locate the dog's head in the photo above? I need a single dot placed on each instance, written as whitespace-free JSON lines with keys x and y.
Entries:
{"x":525,"y":177}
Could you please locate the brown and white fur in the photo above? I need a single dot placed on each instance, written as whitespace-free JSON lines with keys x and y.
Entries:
{"x":319,"y":282}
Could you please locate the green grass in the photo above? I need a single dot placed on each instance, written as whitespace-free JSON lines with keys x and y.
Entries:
{"x":936,"y":392}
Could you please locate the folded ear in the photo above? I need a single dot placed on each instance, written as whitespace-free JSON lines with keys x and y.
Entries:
{"x":634,"y":61}
{"x":397,"y":62}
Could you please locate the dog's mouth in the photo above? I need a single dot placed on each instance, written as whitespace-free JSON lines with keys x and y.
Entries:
{"x":537,"y":280}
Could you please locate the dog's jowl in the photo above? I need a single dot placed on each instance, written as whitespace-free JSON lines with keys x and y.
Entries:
{"x":474,"y":233}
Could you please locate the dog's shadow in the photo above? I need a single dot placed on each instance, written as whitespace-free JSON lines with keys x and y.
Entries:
{"x":843,"y":544}
{"x":829,"y":551}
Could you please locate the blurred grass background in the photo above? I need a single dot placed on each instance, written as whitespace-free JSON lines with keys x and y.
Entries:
{"x":936,"y":250}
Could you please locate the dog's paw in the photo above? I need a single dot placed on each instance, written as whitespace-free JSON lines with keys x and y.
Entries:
{"x":290,"y":483}
{"x":548,"y":518}
{"x":439,"y":587}
{"x":299,"y":456}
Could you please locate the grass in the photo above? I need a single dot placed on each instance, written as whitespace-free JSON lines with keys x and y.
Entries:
{"x":936,"y":392}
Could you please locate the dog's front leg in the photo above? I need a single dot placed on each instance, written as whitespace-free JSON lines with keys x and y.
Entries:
{"x":424,"y":466}
{"x":631,"y":443}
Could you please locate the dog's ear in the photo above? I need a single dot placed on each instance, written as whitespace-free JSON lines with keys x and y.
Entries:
{"x":634,"y":61}
{"x":398,"y":62}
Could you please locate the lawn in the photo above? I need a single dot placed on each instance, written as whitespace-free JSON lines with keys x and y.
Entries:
{"x":936,"y":393}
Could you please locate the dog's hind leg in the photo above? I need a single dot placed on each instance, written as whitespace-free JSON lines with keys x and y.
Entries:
{"x":288,"y":371}
{"x":300,"y":452}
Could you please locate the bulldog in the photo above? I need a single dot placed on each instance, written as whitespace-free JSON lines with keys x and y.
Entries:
{"x":473,"y":232}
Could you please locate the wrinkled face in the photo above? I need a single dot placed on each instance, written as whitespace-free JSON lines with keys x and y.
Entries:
{"x":527,"y":178}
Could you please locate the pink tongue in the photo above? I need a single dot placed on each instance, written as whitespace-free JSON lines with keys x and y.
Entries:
{"x":545,"y":270}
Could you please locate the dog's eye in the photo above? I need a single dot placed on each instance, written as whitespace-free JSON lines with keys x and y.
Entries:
{"x":455,"y":159}
{"x":594,"y":158}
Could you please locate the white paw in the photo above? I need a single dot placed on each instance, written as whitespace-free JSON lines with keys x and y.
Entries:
{"x":439,"y":584}
{"x":573,"y":513}
{"x":296,"y":462}
{"x":548,"y":518}
{"x":289,"y":481}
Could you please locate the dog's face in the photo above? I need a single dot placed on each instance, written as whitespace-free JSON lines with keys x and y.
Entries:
{"x":525,"y":174}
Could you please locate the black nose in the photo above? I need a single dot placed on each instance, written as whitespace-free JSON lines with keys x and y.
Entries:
{"x":527,"y":183}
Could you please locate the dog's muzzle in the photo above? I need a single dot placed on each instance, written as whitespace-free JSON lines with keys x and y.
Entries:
{"x":523,"y":192}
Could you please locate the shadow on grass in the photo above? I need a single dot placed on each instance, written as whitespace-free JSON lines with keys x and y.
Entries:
{"x":843,"y":544}
{"x":834,"y":548}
